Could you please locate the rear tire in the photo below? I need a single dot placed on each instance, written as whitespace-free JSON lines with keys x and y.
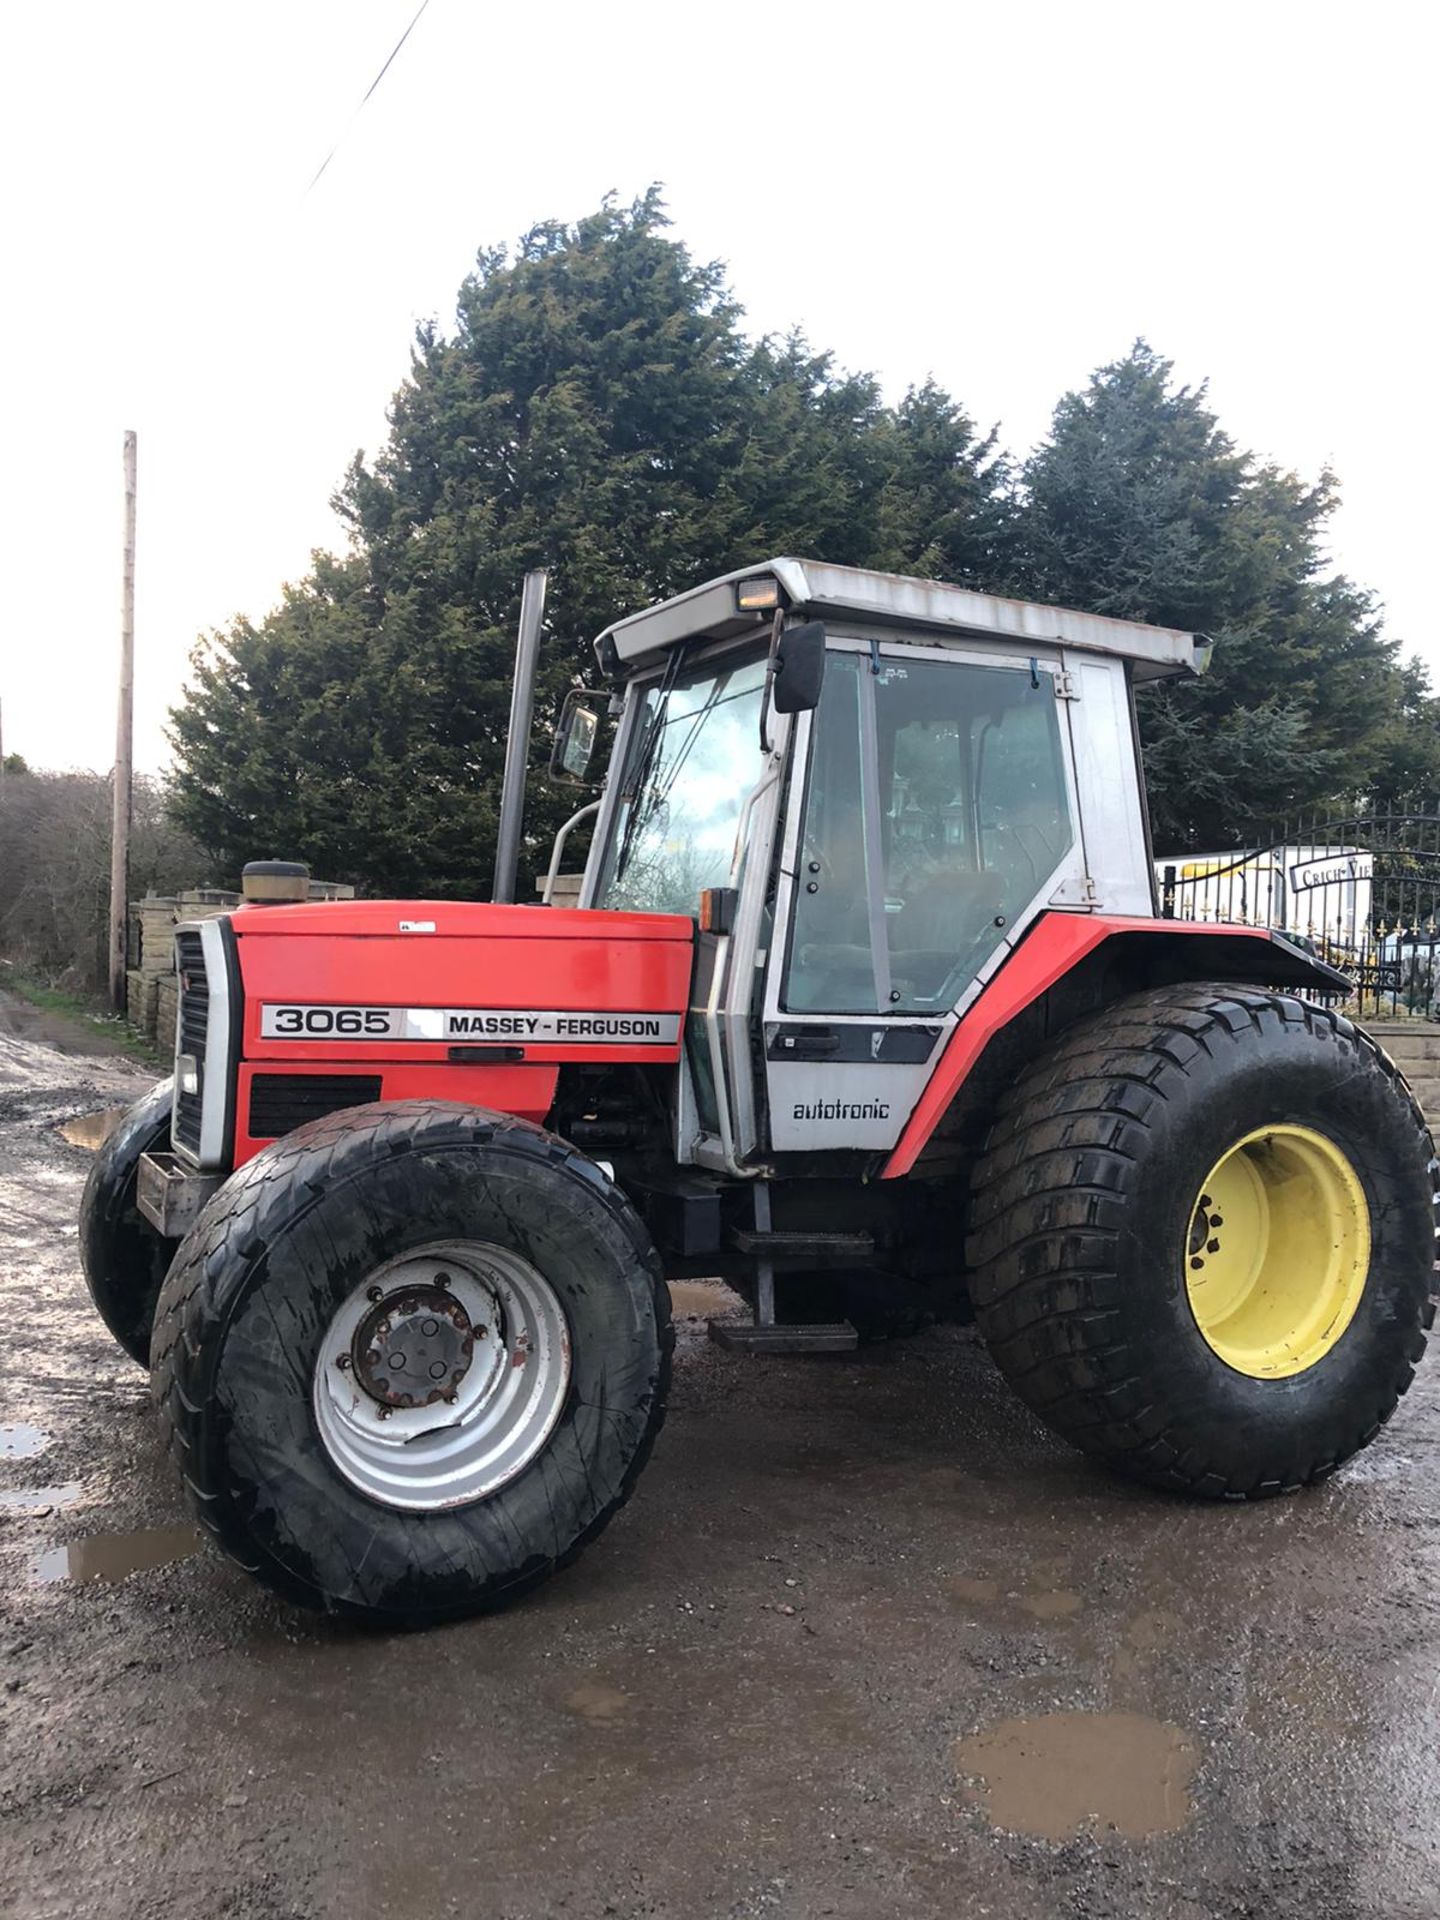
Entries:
{"x":266,"y":1309}
{"x":1091,"y":1240}
{"x":124,"y":1258}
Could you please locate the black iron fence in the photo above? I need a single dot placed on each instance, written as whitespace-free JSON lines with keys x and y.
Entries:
{"x":1361,"y":890}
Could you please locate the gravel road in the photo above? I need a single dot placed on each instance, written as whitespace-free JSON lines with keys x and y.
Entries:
{"x":867,"y":1642}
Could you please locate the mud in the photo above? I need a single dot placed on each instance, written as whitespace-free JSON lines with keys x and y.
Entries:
{"x":702,"y":1300}
{"x":866,"y":1642}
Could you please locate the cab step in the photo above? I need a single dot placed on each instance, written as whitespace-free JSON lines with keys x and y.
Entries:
{"x":769,"y":1250}
{"x":804,"y":1249}
{"x":736,"y":1337}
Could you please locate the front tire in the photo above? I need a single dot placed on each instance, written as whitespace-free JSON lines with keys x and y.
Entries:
{"x":1203,"y":1240}
{"x":411,"y":1359}
{"x":124,"y":1258}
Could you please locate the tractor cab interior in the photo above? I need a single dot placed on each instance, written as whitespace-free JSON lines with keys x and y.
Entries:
{"x":937,"y":808}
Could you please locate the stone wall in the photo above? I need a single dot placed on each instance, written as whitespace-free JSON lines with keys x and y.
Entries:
{"x":151,"y":990}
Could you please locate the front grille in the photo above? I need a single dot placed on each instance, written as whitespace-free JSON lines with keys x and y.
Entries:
{"x":280,"y":1102}
{"x":191,"y":1034}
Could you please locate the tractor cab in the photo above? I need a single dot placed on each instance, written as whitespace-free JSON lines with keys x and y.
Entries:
{"x":866,"y":788}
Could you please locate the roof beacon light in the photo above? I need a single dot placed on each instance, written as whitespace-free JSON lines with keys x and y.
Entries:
{"x":758,"y":594}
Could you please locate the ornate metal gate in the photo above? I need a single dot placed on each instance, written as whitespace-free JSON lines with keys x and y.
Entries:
{"x":1361,"y":890}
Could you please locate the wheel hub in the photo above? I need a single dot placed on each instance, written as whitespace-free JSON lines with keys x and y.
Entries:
{"x":442,"y":1375}
{"x":1278,"y":1251}
{"x":413,"y":1348}
{"x":1204,"y":1231}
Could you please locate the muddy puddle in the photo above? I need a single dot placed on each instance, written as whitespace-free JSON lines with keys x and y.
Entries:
{"x":38,"y":1500}
{"x":113,"y":1556}
{"x":92,"y":1130}
{"x":1057,"y":1775}
{"x":598,"y":1703}
{"x":20,"y":1441}
{"x":1040,"y":1601}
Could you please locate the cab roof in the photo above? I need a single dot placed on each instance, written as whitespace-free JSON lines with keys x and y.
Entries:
{"x":858,"y":596}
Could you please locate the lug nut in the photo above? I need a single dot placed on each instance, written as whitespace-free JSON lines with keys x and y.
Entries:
{"x":343,"y":1362}
{"x":373,"y":1293}
{"x":384,"y":1412}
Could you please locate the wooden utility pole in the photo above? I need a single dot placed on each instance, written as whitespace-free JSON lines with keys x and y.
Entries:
{"x":124,"y":736}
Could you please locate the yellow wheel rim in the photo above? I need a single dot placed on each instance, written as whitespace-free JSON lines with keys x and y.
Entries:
{"x":1279,"y":1251}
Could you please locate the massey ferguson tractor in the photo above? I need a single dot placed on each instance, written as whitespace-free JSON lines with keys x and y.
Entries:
{"x":865,"y":1008}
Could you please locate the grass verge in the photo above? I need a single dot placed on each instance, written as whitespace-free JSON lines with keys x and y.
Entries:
{"x":87,"y":1014}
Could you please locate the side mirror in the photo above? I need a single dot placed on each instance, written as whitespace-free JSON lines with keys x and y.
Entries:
{"x":799,"y":668}
{"x":576,"y":735}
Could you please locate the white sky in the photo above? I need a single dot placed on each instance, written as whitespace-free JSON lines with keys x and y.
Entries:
{"x":1003,"y":196}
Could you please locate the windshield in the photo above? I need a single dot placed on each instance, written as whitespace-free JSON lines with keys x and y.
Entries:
{"x":694,"y":755}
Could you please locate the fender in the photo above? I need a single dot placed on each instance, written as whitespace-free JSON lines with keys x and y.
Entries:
{"x":1057,"y":943}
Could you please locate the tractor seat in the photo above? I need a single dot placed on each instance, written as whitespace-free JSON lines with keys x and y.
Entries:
{"x":949,"y":911}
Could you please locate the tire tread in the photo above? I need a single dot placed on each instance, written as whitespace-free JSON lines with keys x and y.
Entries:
{"x":1040,"y":1273}
{"x":229,"y":1235}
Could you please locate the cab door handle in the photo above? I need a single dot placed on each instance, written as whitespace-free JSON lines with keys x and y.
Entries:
{"x":806,"y":1043}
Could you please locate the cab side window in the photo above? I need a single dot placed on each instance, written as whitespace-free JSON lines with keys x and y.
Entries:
{"x":937,"y":810}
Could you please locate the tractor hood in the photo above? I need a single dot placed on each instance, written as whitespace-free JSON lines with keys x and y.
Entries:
{"x":417,"y":979}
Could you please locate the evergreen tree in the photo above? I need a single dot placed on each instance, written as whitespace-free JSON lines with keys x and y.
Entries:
{"x":1140,"y":506}
{"x":596,"y":410}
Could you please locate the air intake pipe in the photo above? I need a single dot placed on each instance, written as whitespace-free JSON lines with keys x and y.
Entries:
{"x":517,"y":744}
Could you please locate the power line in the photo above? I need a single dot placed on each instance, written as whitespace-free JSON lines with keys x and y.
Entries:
{"x":368,"y":91}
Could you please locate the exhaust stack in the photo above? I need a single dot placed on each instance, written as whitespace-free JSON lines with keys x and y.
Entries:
{"x":517,"y":745}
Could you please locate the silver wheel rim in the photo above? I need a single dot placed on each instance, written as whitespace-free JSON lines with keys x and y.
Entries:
{"x":442,"y":1375}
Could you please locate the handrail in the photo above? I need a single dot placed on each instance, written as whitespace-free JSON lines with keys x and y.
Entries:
{"x":561,"y":837}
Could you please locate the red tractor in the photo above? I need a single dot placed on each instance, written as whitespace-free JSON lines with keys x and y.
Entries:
{"x":865,"y":1008}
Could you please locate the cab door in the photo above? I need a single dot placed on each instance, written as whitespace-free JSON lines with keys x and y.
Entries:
{"x":932,"y":814}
